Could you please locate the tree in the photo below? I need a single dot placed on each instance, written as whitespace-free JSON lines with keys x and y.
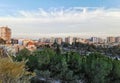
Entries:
{"x":74,"y":61}
{"x":115,"y":73}
{"x":24,"y":52}
{"x":44,"y":57}
{"x":32,"y":61}
{"x":58,"y":51}
{"x":97,"y":68}
{"x":58,"y":67}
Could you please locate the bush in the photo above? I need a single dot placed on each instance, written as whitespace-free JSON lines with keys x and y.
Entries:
{"x":12,"y":72}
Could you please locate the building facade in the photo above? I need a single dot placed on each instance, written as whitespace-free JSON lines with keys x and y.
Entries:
{"x":97,"y":40}
{"x":5,"y":33}
{"x":69,"y":40}
{"x":59,"y":41}
{"x":111,"y":39}
{"x":117,"y":39}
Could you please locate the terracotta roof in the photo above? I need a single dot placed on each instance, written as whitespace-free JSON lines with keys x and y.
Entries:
{"x":30,"y":43}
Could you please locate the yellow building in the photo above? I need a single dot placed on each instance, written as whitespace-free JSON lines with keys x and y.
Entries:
{"x":110,"y":39}
{"x":5,"y":33}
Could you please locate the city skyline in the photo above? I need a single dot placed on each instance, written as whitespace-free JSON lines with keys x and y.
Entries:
{"x":61,"y":18}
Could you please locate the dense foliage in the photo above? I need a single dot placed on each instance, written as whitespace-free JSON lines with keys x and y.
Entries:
{"x":71,"y":67}
{"x":13,"y":72}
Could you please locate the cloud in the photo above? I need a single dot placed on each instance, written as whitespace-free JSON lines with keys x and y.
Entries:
{"x":65,"y":15}
{"x":63,"y":21}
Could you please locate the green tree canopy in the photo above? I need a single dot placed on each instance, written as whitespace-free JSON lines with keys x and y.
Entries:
{"x":97,"y":68}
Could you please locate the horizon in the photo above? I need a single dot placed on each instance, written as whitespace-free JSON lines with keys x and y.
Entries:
{"x":61,"y":18}
{"x":62,"y":35}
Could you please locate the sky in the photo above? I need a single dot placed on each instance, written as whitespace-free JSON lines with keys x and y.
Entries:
{"x":46,"y":18}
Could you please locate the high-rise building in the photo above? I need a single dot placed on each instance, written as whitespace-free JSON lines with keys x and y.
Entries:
{"x":111,"y":39}
{"x":5,"y":33}
{"x":94,"y":39}
{"x":117,"y":39}
{"x":97,"y":40}
{"x":59,"y":40}
{"x":45,"y":40}
{"x":69,"y":40}
{"x":52,"y":40}
{"x":80,"y":40}
{"x":75,"y":39}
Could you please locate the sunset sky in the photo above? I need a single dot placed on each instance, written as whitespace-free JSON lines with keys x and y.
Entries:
{"x":36,"y":18}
